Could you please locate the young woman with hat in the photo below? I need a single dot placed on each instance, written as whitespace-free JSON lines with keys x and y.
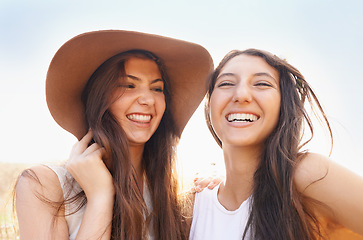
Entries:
{"x":127,"y":97}
{"x":273,"y":189}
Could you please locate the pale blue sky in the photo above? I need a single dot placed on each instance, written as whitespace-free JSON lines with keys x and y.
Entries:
{"x":321,"y":38}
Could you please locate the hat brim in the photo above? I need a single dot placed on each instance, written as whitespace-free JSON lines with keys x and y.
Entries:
{"x":187,"y":65}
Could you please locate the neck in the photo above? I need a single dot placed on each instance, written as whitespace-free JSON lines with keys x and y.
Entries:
{"x":241,"y":165}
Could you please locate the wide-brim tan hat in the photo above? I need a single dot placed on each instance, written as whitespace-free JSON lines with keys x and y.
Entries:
{"x":187,"y":65}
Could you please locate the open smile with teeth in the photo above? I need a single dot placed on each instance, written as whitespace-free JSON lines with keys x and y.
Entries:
{"x":241,"y":117}
{"x":139,"y":117}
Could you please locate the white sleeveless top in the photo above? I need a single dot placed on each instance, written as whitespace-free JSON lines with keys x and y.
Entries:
{"x":213,"y":222}
{"x":74,"y":220}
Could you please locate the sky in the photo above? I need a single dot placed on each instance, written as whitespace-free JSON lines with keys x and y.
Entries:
{"x":323,"y":39}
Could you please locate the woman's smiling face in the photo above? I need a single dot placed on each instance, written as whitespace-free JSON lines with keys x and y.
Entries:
{"x":140,"y":100}
{"x":245,"y":103}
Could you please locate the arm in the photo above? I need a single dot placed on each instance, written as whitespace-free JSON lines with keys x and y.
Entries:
{"x":338,"y":188}
{"x":88,"y":169}
{"x":37,"y":218}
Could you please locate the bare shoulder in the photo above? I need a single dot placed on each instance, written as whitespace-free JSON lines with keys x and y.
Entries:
{"x":338,"y":189}
{"x":39,"y":179}
{"x":313,"y":167}
{"x":316,"y":170}
{"x":37,"y":197}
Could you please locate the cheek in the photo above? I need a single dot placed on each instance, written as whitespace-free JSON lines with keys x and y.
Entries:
{"x":218,"y":102}
{"x":118,"y":106}
{"x":215,"y":113}
{"x":277,"y":100}
{"x":213,"y":106}
{"x":275,"y":109}
{"x":115,"y":109}
{"x":160,"y":105}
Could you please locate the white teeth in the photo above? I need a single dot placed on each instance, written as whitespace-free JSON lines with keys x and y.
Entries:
{"x":138,"y":117}
{"x":241,"y":117}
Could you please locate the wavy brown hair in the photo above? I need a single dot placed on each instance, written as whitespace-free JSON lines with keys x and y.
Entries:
{"x":278,"y":210}
{"x":132,"y":220}
{"x":158,"y":158}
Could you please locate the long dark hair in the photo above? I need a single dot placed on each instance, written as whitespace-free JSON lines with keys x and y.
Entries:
{"x":158,"y":158}
{"x":132,"y":220}
{"x":278,"y":210}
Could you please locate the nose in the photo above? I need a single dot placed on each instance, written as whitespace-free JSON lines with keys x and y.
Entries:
{"x":242,"y":93}
{"x":146,"y":97}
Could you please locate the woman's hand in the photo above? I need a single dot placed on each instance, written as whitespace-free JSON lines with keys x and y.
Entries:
{"x":85,"y":164}
{"x":209,"y":182}
{"x":88,"y":169}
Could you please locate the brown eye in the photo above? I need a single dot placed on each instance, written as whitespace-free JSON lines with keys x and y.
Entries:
{"x":126,"y":86}
{"x":161,"y":90}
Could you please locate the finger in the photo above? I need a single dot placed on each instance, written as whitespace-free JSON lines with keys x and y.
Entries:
{"x":92,"y":148}
{"x":203,"y":183}
{"x":100,"y":152}
{"x":215,"y":181}
{"x":212,"y":185}
{"x":192,"y":190}
{"x":87,"y":138}
{"x":197,"y":189}
{"x":82,"y":145}
{"x":197,"y":185}
{"x":198,"y":179}
{"x":95,"y":156}
{"x":86,"y":160}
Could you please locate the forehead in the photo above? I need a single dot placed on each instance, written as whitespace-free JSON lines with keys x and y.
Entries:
{"x":246,"y":64}
{"x":142,"y":66}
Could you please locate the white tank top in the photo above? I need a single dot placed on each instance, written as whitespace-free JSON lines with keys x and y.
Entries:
{"x":74,"y":220}
{"x":213,"y":222}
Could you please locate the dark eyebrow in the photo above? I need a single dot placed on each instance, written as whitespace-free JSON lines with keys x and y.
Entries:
{"x":225,"y":74}
{"x":265,"y":74}
{"x":133,"y":77}
{"x":256,"y":75}
{"x":138,"y":79}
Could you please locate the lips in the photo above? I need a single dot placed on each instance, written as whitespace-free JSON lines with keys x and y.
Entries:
{"x":144,"y":118}
{"x":242,"y":117}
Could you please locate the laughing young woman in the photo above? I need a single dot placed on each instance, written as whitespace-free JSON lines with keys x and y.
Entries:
{"x":127,"y":97}
{"x":273,"y":189}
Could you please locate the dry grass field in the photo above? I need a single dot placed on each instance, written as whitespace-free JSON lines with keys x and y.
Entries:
{"x":8,"y":175}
